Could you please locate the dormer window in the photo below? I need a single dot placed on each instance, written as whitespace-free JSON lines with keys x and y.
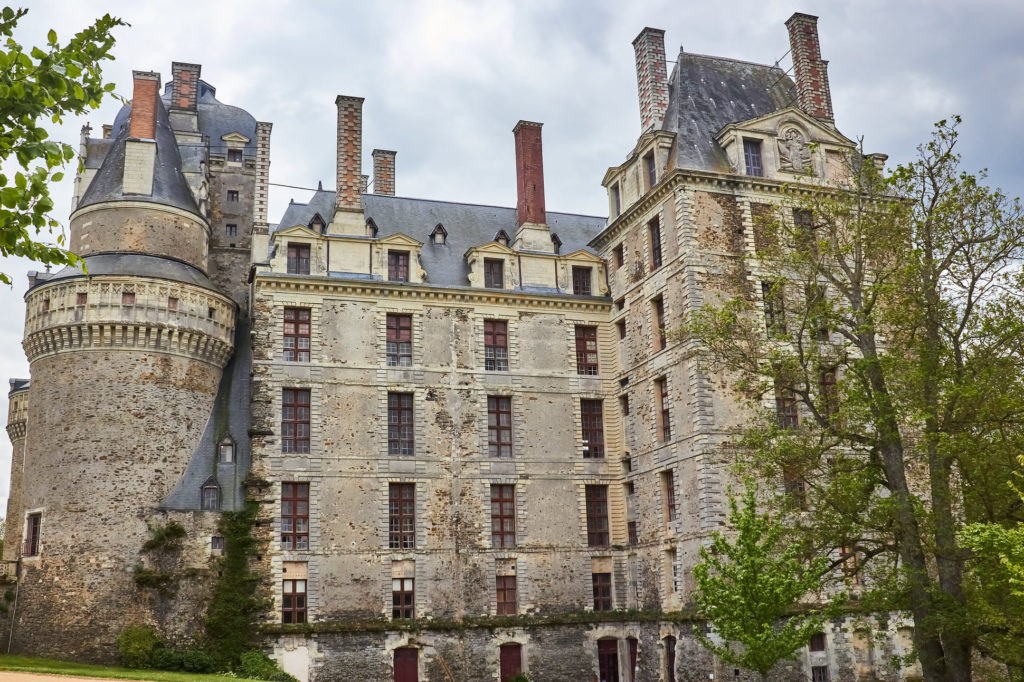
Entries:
{"x":501,"y":237}
{"x":226,"y":451}
{"x":234,"y":156}
{"x":752,"y":158}
{"x":298,"y":259}
{"x":556,"y":243}
{"x":439,"y":236}
{"x":650,"y":171}
{"x":210,"y":495}
{"x":494,"y":273}
{"x":398,"y":266}
{"x":318,"y":224}
{"x":371,"y":229}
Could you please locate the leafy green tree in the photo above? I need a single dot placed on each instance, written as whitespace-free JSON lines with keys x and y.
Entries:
{"x":897,"y":330}
{"x":750,"y":588}
{"x":41,"y":85}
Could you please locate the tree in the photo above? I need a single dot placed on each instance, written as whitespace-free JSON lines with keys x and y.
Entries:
{"x":902,"y":344}
{"x":39,"y":85}
{"x":750,"y":588}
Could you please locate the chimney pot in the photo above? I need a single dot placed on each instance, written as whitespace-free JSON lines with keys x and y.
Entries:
{"x":529,"y":174}
{"x":384,"y":172}
{"x":145,"y":93}
{"x":809,"y":69}
{"x":185,"y":85}
{"x":651,"y":77}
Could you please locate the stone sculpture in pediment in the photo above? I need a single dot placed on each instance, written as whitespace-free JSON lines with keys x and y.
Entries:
{"x":794,"y":151}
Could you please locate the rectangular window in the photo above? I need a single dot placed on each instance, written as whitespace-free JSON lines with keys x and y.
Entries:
{"x":294,"y":516}
{"x":664,"y":414}
{"x":234,"y":156}
{"x":616,"y":200}
{"x":232,"y":195}
{"x":494,"y":273}
{"x":828,"y":391}
{"x":401,"y":515}
{"x":295,"y":420}
{"x":794,"y":486}
{"x":400,"y":424}
{"x":624,"y":405}
{"x":650,"y":170}
{"x":298,"y":259}
{"x":33,"y":526}
{"x":505,"y":587}
{"x":403,"y":598}
{"x":817,"y":642}
{"x":660,"y":337}
{"x":209,"y":499}
{"x":586,"y":350}
{"x":597,"y":515}
{"x":293,"y":601}
{"x":668,"y":491}
{"x":399,"y":340}
{"x":619,"y":254}
{"x":819,"y":673}
{"x":620,"y":327}
{"x":632,"y":532}
{"x":81,"y":298}
{"x":592,"y":420}
{"x":499,"y":426}
{"x":602,"y":583}
{"x":503,"y":516}
{"x":786,"y":410}
{"x":654,"y":235}
{"x":803,"y":220}
{"x":496,"y":345}
{"x":172,"y":303}
{"x":296,"y":334}
{"x":127,"y":298}
{"x":752,"y":158}
{"x":398,"y":266}
{"x":230,"y":229}
{"x":774,"y":307}
{"x":608,"y":660}
{"x":672,"y":569}
{"x":581,"y":278}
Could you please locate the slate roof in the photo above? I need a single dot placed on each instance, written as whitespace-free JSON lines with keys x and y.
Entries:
{"x":169,"y":185}
{"x":705,"y":94}
{"x":468,"y":225}
{"x":133,"y":264}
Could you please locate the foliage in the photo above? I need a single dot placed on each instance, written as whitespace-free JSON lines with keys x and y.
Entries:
{"x":236,"y":603}
{"x":161,"y":581}
{"x":39,"y":85}
{"x":902,"y":342}
{"x":256,"y":665}
{"x":186,"y":660}
{"x":168,"y":536}
{"x":136,"y":645}
{"x":750,"y":588}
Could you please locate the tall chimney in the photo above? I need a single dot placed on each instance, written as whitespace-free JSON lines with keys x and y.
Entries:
{"x":259,"y":204}
{"x":529,"y":174}
{"x":384,"y":172}
{"x":350,"y":153}
{"x":810,"y":69}
{"x":185,"y":85}
{"x":144,"y":96}
{"x":651,"y":77}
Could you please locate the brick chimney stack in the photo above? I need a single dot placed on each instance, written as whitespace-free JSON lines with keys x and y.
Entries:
{"x":144,"y":95}
{"x":810,"y":70}
{"x":185,"y":85}
{"x":529,"y":174}
{"x":384,"y":172}
{"x":350,"y":153}
{"x":651,"y":77}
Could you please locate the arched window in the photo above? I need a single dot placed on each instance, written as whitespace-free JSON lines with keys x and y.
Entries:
{"x":210,"y":495}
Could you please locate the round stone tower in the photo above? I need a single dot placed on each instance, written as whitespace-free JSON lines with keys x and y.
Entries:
{"x":126,"y":362}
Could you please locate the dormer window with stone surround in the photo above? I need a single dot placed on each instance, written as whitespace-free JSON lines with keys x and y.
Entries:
{"x":752,"y":162}
{"x":501,"y":237}
{"x":398,"y":266}
{"x":439,"y":236}
{"x":581,"y":280}
{"x":234,"y":156}
{"x":494,"y":273}
{"x":210,"y":496}
{"x":298,"y":259}
{"x":226,"y":450}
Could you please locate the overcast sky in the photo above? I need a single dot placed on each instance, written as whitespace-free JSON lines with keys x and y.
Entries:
{"x":445,"y":81}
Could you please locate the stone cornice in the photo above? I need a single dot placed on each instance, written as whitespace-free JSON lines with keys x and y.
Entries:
{"x":119,"y":336}
{"x":16,"y":430}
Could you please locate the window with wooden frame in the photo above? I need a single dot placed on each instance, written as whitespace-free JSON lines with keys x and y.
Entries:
{"x":817,"y":642}
{"x":774,"y":307}
{"x":668,"y":492}
{"x":602,"y":590}
{"x":232,"y":195}
{"x":592,"y":421}
{"x":398,"y":266}
{"x":752,"y":158}
{"x":403,"y":598}
{"x":819,"y":673}
{"x":581,"y":280}
{"x":586,"y":350}
{"x":616,"y":200}
{"x":608,"y":659}
{"x":33,"y":533}
{"x":296,"y":334}
{"x":654,"y":240}
{"x":231,"y":230}
{"x":401,"y":515}
{"x":234,"y":156}
{"x":670,"y":658}
{"x":659,"y":331}
{"x":510,"y":661}
{"x":399,"y":340}
{"x":293,"y":601}
{"x":597,"y":516}
{"x":494,"y":273}
{"x":503,"y":516}
{"x":295,"y":412}
{"x":650,"y":170}
{"x":209,"y":496}
{"x":298,"y":259}
{"x":787,"y":412}
{"x":505,"y":589}
{"x":499,"y":426}
{"x":294,"y":516}
{"x":631,"y":533}
{"x":664,"y":414}
{"x":496,"y":345}
{"x":400,"y":424}
{"x":828,"y":391}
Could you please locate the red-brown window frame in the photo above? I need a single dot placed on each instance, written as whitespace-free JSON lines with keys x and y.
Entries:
{"x":592,"y":422}
{"x":503,"y":516}
{"x":294,"y":516}
{"x":499,"y":425}
{"x":33,"y":533}
{"x":293,"y":601}
{"x":398,"y":266}
{"x":399,"y":340}
{"x":602,"y":590}
{"x":402,"y":515}
{"x":654,"y":237}
{"x":295,"y":416}
{"x":494,"y":273}
{"x":496,"y":345}
{"x":403,"y":598}
{"x":505,"y":589}
{"x":298,"y":259}
{"x":297,"y":326}
{"x":401,"y":429}
{"x":586,"y":350}
{"x":664,"y":410}
{"x":598,"y":534}
{"x":582,"y":278}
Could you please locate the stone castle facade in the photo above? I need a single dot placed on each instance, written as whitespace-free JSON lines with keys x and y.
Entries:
{"x":476,"y":449}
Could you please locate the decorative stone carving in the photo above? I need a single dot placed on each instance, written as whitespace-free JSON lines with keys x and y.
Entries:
{"x":794,"y":152}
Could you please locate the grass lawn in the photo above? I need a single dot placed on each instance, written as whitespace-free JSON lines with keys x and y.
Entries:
{"x":52,"y":667}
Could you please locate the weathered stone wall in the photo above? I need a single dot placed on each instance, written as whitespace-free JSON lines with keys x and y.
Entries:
{"x":17,"y":415}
